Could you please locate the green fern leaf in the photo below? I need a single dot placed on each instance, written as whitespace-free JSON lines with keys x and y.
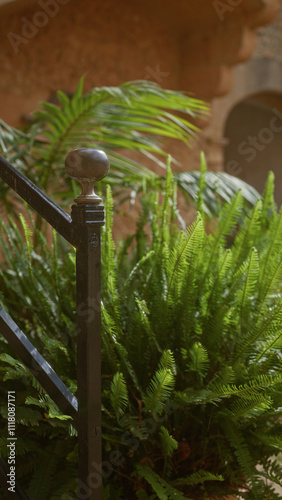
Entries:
{"x":27,"y":234}
{"x":199,"y":204}
{"x":168,"y":443}
{"x":268,"y":207}
{"x":229,"y":217}
{"x":251,"y":272}
{"x":119,"y":395}
{"x":161,"y":385}
{"x":199,"y":359}
{"x":163,"y":489}
{"x":270,"y":440}
{"x":248,"y":234}
{"x":199,"y":477}
{"x":45,"y":472}
{"x":239,"y":444}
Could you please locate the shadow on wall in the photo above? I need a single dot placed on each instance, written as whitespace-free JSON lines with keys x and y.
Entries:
{"x":254,"y":133}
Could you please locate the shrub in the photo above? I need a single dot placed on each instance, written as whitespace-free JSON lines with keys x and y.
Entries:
{"x":191,"y":344}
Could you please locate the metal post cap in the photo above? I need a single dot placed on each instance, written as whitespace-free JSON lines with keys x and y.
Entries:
{"x":87,"y":165}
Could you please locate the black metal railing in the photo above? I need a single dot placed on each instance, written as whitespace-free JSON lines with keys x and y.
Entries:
{"x":82,"y":229}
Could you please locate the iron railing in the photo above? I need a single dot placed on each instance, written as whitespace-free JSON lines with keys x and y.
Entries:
{"x":81,"y":229}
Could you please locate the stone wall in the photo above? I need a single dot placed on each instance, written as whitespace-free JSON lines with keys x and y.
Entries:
{"x":49,"y":44}
{"x":189,"y":45}
{"x":258,"y":81}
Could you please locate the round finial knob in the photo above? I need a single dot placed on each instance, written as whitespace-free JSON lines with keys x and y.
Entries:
{"x":87,"y":166}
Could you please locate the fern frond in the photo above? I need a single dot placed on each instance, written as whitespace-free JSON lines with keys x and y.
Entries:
{"x":274,"y":341}
{"x":143,"y":313}
{"x":26,"y":416}
{"x":268,"y":204}
{"x":270,"y":440}
{"x":199,"y":359}
{"x":228,"y":219}
{"x":265,"y":328}
{"x":248,"y":234}
{"x":239,"y":444}
{"x":250,"y":389}
{"x":119,"y":394}
{"x":45,"y":473}
{"x":187,"y":246}
{"x":199,"y":204}
{"x":161,"y":385}
{"x":167,"y":361}
{"x":199,"y":477}
{"x":168,"y":443}
{"x":251,"y":272}
{"x":166,"y":207}
{"x":27,"y":234}
{"x":136,"y":271}
{"x":163,"y":489}
{"x":271,"y":274}
{"x":217,"y":391}
{"x":250,"y":408}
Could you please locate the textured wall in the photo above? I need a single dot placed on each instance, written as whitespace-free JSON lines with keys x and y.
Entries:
{"x":258,"y":78}
{"x":49,"y":44}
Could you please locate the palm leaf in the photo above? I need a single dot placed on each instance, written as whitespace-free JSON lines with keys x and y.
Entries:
{"x":134,"y":116}
{"x":219,"y":187}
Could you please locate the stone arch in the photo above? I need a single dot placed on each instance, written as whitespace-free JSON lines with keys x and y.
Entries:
{"x":259,"y":81}
{"x":253,"y":133}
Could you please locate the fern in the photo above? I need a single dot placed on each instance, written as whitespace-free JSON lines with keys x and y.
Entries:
{"x":119,"y":396}
{"x":268,"y":207}
{"x":198,"y":477}
{"x":272,"y":441}
{"x":228,"y":220}
{"x":251,"y":271}
{"x":191,"y":350}
{"x":161,"y":385}
{"x":200,"y":197}
{"x":45,"y":473}
{"x":168,"y":443}
{"x":199,"y":359}
{"x":237,"y":441}
{"x":163,"y":489}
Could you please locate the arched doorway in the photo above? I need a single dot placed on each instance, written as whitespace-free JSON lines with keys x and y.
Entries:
{"x":253,"y":131}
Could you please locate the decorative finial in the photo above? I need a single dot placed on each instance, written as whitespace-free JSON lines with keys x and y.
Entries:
{"x":87,"y":166}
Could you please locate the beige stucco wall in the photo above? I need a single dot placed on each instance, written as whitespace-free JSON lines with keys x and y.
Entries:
{"x":193,"y":46}
{"x":259,"y":78}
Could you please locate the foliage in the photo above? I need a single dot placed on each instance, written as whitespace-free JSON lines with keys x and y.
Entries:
{"x":135,"y":116}
{"x":191,"y":344}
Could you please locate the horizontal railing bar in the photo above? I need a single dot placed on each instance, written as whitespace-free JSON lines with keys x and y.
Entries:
{"x":38,"y":366}
{"x":38,"y":200}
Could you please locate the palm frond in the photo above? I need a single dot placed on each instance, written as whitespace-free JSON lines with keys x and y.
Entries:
{"x":220,"y":188}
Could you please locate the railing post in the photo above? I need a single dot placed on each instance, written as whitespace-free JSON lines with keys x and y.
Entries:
{"x":88,"y":166}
